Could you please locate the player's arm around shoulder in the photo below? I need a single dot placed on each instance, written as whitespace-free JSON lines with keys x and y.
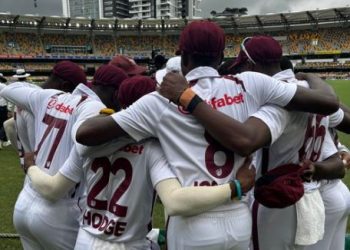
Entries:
{"x":138,"y":120}
{"x":319,"y":99}
{"x":97,"y":130}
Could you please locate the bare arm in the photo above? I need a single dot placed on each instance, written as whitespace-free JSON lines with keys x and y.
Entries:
{"x":97,"y":130}
{"x":242,"y":138}
{"x":329,"y":169}
{"x":51,"y":187}
{"x":319,"y":99}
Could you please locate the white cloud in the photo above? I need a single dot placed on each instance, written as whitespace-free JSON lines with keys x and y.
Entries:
{"x":301,"y":5}
{"x":270,"y":6}
{"x":53,"y":7}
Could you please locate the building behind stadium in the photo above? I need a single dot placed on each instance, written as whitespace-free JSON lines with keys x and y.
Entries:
{"x":140,"y":9}
{"x":316,"y":41}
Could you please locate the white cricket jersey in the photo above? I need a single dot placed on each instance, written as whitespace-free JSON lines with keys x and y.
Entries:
{"x":195,"y":157}
{"x":25,"y":129}
{"x":24,"y":122}
{"x":55,"y":113}
{"x":82,"y":89}
{"x":305,"y":135}
{"x":119,"y":189}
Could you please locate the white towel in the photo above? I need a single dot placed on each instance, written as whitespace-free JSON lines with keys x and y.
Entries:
{"x":310,"y":218}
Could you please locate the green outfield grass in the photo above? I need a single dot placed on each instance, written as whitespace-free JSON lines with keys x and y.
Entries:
{"x":11,"y":179}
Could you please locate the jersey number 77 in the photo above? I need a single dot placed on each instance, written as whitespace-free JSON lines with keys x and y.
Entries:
{"x":52,"y":123}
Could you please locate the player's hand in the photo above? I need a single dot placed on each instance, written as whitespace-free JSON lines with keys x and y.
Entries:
{"x":173,"y":86}
{"x":29,"y":160}
{"x":345,"y":156}
{"x":246,"y":175}
{"x":308,"y":174}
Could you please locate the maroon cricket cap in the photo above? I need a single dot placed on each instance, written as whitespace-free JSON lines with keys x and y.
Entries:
{"x":70,"y":72}
{"x":128,"y":65}
{"x":134,"y":88}
{"x":203,"y":38}
{"x":109,"y":75}
{"x":260,"y":49}
{"x":280,"y":187}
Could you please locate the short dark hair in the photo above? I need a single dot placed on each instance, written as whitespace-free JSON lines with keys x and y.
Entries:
{"x":286,"y":63}
{"x":226,"y":67}
{"x":67,"y":86}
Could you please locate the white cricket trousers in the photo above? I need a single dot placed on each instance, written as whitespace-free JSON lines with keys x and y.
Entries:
{"x":274,"y":228}
{"x":336,"y":199}
{"x":87,"y":241}
{"x":43,"y":224}
{"x":222,"y":230}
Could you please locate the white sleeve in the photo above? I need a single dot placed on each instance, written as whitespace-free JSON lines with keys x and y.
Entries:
{"x":89,"y":108}
{"x":267,"y":90}
{"x":73,"y":167}
{"x":275,"y":118}
{"x":26,"y":96}
{"x":141,"y":119}
{"x":158,"y":165}
{"x":336,"y":118}
{"x":342,"y":148}
{"x":328,"y":147}
{"x":86,"y":110}
{"x":2,"y":85}
{"x":51,"y":187}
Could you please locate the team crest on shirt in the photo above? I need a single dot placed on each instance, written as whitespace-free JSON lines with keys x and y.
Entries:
{"x":52,"y":103}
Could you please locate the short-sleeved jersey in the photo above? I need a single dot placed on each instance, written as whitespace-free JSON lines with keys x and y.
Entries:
{"x":55,"y":113}
{"x":305,"y":136}
{"x":194,"y":155}
{"x":119,"y":189}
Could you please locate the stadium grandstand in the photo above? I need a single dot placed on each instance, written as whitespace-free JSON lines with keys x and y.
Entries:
{"x":316,"y":41}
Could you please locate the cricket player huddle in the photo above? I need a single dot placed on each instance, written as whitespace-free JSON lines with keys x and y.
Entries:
{"x":243,"y":155}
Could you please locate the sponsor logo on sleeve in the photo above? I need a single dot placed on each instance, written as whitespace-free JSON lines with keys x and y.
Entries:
{"x":60,"y":107}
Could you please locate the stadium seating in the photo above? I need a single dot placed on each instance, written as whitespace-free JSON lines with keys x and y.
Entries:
{"x":31,"y":44}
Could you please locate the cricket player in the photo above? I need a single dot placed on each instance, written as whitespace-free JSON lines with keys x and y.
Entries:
{"x":195,"y":156}
{"x":120,"y":187}
{"x":43,"y":224}
{"x":304,"y":137}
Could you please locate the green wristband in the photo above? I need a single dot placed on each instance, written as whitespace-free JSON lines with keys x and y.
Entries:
{"x":238,"y":189}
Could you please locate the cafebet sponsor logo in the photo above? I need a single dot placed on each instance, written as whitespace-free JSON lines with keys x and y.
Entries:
{"x":59,"y":107}
{"x":216,"y":103}
{"x":226,"y":100}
